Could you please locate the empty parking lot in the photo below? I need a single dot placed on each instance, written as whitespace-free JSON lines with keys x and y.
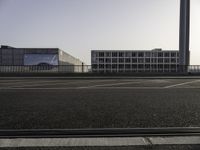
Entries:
{"x":61,"y":103}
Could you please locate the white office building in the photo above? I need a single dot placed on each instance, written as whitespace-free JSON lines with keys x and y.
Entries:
{"x":156,"y":60}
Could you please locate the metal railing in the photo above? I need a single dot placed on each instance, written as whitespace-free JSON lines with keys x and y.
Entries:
{"x":94,"y":69}
{"x":101,"y":132}
{"x":46,"y":69}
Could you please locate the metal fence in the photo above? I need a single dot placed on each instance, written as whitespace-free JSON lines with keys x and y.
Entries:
{"x":46,"y":69}
{"x":93,"y":69}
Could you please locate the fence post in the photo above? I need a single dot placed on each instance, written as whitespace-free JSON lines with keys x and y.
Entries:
{"x":82,"y":67}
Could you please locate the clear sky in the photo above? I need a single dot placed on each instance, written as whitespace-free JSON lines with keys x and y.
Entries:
{"x":78,"y":26}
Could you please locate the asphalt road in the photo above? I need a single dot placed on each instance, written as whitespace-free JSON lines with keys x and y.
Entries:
{"x":113,"y":103}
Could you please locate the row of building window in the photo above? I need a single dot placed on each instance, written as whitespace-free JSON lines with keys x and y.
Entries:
{"x":139,"y":60}
{"x":135,"y":54}
{"x":120,"y":66}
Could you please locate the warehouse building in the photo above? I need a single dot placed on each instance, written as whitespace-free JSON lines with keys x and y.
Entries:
{"x":156,"y":60}
{"x":10,"y":56}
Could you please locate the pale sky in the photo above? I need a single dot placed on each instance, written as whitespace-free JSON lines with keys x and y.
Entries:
{"x":78,"y":26}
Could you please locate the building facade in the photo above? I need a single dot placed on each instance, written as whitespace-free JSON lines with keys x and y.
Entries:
{"x":10,"y":56}
{"x":155,"y":60}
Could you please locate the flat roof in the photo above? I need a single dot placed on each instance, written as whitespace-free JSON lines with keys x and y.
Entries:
{"x":153,"y":50}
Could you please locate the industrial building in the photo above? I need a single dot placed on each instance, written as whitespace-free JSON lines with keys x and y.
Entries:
{"x":155,"y":60}
{"x":10,"y":56}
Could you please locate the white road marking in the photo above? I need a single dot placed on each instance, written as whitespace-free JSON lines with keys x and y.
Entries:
{"x":58,"y":82}
{"x":193,"y":87}
{"x":79,"y":88}
{"x":29,"y":83}
{"x":180,"y":84}
{"x":97,"y":142}
{"x":103,"y":85}
{"x":113,"y":88}
{"x":11,"y":81}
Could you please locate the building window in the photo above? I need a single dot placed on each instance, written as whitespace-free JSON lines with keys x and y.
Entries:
{"x":173,"y":54}
{"x":114,"y":66}
{"x":160,"y":60}
{"x":121,"y":66}
{"x":134,"y":60}
{"x":108,"y":60}
{"x":160,"y":67}
{"x":141,"y":54}
{"x":173,"y":60}
{"x":127,"y":60}
{"x":114,"y":54}
{"x":101,"y":66}
{"x":166,"y":54}
{"x":101,"y":54}
{"x":154,"y":60}
{"x":121,"y":60}
{"x":147,"y":60}
{"x":167,"y":60}
{"x":141,"y":66}
{"x":166,"y":66}
{"x":121,"y":54}
{"x":128,"y":54}
{"x":94,"y":66}
{"x":101,"y":60}
{"x":108,"y":66}
{"x":108,"y":54}
{"x":147,"y":66}
{"x":128,"y":66}
{"x":95,"y":54}
{"x":147,"y":54}
{"x":114,"y":60}
{"x":134,"y":54}
{"x":154,"y":54}
{"x":160,"y":54}
{"x":95,"y":60}
{"x":154,"y":67}
{"x":140,"y":60}
{"x":173,"y":67}
{"x":134,"y":66}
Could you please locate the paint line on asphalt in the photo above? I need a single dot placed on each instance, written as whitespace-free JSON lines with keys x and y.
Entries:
{"x":46,"y":83}
{"x":97,"y":142}
{"x":78,"y":88}
{"x":11,"y":81}
{"x":115,"y":88}
{"x":23,"y":84}
{"x":112,"y":84}
{"x":180,"y":84}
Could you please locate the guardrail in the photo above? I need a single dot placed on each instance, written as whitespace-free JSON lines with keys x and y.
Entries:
{"x":94,"y":69}
{"x":109,"y":132}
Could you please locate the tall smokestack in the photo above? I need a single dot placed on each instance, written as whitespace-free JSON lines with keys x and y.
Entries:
{"x":184,"y":38}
